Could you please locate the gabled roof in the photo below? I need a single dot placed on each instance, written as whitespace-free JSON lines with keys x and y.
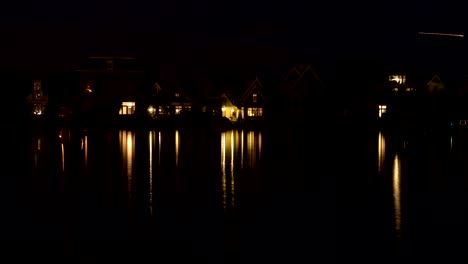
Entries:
{"x":255,"y":85}
{"x":312,"y":71}
{"x":169,"y":89}
{"x":435,"y":79}
{"x":226,"y":101}
{"x":293,"y":74}
{"x":305,"y":70}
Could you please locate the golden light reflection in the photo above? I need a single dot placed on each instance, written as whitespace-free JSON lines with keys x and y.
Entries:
{"x":177,"y":147}
{"x":127,"y":147}
{"x":397,"y":194}
{"x":381,"y":151}
{"x":251,"y":148}
{"x":232,"y":168}
{"x":63,"y":157}
{"x":84,"y":147}
{"x":223,"y":167}
{"x":159,"y":146}
{"x":259,"y":144}
{"x":151,"y":142}
{"x":242,"y":149}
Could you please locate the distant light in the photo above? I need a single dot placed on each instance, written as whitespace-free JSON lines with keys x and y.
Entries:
{"x":441,"y":34}
{"x":382,"y":110}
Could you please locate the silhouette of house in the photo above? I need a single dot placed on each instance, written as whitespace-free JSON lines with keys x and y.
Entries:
{"x":252,"y":103}
{"x":169,"y":101}
{"x":435,"y":85}
{"x":110,"y":88}
{"x":37,"y":101}
{"x":301,"y":93}
{"x":228,"y":109}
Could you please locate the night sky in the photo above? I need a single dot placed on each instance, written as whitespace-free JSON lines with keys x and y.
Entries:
{"x":54,"y":35}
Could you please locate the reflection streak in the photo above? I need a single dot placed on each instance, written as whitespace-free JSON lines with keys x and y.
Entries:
{"x":151,"y":135}
{"x":242,"y":149}
{"x":127,"y":143}
{"x":63,"y":157}
{"x":159,"y":150}
{"x":223,"y":166}
{"x":177,"y":147}
{"x":86,"y":151}
{"x":397,"y":194}
{"x":381,"y":153}
{"x":232,"y":169}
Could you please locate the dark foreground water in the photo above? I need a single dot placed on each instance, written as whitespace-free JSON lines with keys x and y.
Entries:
{"x":89,"y":195}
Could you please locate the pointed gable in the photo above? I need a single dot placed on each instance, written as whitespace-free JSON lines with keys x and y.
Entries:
{"x":254,"y":94}
{"x":171,"y":91}
{"x":435,"y":84}
{"x":308,"y":82}
{"x":293,"y":75}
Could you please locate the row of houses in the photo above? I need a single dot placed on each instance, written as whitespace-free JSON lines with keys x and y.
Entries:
{"x":111,"y":90}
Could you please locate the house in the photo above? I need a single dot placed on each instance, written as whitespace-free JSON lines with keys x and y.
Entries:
{"x":251,"y":103}
{"x":435,"y":85}
{"x":169,"y":101}
{"x":110,"y":88}
{"x":301,"y":94}
{"x":37,"y":101}
{"x":228,"y":109}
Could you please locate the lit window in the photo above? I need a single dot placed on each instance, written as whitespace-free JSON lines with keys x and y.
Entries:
{"x":382,"y":110}
{"x":127,"y":108}
{"x":254,"y":111}
{"x":400,"y":79}
{"x":151,"y":111}
{"x":177,"y":95}
{"x":254,"y":97}
{"x":178,"y":109}
{"x":88,"y":89}
{"x":187,"y":108}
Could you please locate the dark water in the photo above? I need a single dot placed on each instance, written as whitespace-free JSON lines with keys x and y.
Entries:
{"x":277,"y":194}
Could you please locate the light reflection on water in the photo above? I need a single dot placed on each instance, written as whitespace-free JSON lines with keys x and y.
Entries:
{"x":177,"y":147}
{"x":397,"y":193}
{"x":151,"y":146}
{"x":381,"y":151}
{"x":141,"y":157}
{"x":232,"y":158}
{"x":127,"y":149}
{"x":396,"y":179}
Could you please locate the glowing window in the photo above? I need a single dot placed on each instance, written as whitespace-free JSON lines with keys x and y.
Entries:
{"x":400,"y":79}
{"x":254,"y":111}
{"x":88,"y":88}
{"x":178,"y":109}
{"x":177,"y":95}
{"x":254,"y":97}
{"x":127,"y":108}
{"x":382,"y":110}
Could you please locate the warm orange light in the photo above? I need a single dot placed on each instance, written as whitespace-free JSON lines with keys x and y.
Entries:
{"x":127,"y":108}
{"x":382,"y":110}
